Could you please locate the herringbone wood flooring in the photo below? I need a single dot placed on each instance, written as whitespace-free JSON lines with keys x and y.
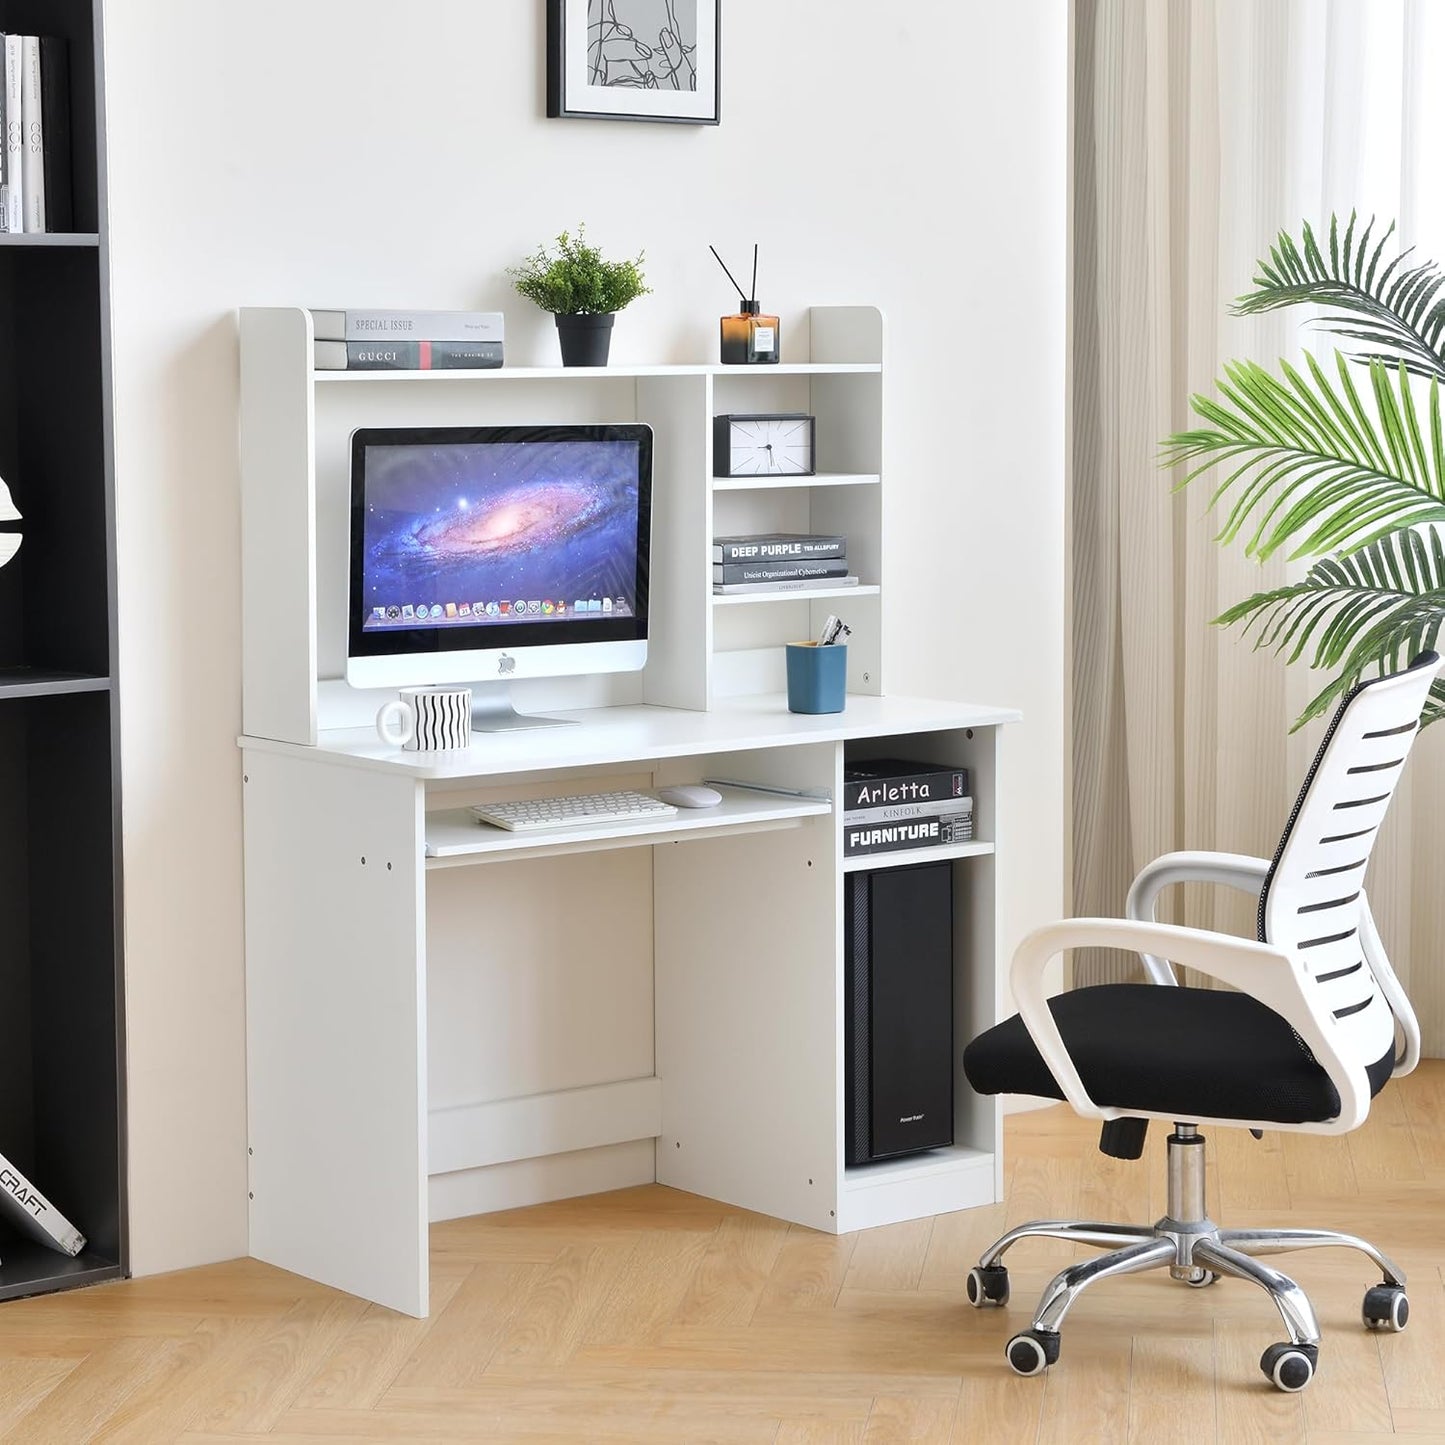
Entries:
{"x":651,"y":1315}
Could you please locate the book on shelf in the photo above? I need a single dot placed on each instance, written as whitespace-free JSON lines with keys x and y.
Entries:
{"x":779,"y":571}
{"x":409,"y":326}
{"x":879,"y":781}
{"x":910,"y":833}
{"x":36,"y":181}
{"x":901,"y":812}
{"x":14,"y":139}
{"x":759,"y":589}
{"x":777,"y":546}
{"x":55,"y":118}
{"x":32,"y":159}
{"x":408,"y":355}
{"x":33,"y":1214}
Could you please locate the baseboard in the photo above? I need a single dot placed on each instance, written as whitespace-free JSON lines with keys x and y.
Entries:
{"x":539,"y":1181}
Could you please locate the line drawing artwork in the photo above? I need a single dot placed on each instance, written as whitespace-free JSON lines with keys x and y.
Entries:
{"x":642,"y":44}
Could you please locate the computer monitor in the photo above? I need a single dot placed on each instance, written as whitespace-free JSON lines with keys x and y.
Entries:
{"x":485,"y":554}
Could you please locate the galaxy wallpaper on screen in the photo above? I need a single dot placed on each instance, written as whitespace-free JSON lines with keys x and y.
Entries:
{"x":491,"y":532}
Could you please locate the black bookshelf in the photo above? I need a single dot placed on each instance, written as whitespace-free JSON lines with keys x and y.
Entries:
{"x":62,"y":1104}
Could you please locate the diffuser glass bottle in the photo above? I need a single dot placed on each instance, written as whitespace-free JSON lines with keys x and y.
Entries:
{"x":749,"y":337}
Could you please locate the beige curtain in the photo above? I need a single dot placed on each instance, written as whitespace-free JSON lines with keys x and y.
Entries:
{"x":1202,"y":127}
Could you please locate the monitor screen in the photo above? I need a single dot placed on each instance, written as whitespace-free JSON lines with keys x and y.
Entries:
{"x":486,"y":538}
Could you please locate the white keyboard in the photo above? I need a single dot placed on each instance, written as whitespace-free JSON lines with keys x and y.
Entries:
{"x":533,"y":815}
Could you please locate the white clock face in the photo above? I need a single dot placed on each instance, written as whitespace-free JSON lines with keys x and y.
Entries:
{"x":771,"y":446}
{"x":9,"y":512}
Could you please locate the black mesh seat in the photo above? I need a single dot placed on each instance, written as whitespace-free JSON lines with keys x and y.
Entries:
{"x":1179,"y":1051}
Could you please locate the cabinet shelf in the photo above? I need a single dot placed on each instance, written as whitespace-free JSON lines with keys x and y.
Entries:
{"x":601,"y":373}
{"x":814,"y":594}
{"x":818,"y":479}
{"x":906,"y":857}
{"x":40,"y":682}
{"x":79,"y":240}
{"x":29,"y":1268}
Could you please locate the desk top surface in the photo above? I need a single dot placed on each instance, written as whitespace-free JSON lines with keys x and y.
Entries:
{"x":628,"y":734}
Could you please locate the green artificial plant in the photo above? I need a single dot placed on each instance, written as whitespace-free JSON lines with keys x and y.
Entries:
{"x":1342,"y":461}
{"x":576,"y":281}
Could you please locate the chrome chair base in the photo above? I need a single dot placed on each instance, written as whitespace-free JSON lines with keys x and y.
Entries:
{"x":1195,"y":1250}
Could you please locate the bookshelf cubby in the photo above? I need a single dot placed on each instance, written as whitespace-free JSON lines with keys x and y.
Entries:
{"x":61,"y":1025}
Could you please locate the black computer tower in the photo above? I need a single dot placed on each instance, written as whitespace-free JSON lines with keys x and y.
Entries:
{"x":898,"y":1031}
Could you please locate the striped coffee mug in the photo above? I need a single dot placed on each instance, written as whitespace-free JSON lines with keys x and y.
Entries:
{"x":427,"y":719}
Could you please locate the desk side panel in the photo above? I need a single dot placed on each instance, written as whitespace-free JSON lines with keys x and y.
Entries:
{"x":278,"y":525}
{"x":336,"y":1027}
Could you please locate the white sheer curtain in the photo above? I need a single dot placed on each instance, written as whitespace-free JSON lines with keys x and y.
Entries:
{"x":1203,"y":127}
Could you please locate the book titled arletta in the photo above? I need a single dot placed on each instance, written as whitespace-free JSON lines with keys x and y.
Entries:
{"x":408,"y":355}
{"x":33,"y":1214}
{"x":408,"y":326}
{"x":871,"y":784}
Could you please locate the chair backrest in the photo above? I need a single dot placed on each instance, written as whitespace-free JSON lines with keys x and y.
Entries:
{"x":1311,"y":902}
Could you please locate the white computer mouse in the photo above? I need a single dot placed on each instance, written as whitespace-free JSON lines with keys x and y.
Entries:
{"x":690,"y":795}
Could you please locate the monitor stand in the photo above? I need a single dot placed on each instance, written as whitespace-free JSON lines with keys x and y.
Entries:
{"x":492,"y":711}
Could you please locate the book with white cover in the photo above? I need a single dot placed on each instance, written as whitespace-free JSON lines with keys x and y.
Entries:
{"x":14,"y":139}
{"x":32,"y":1213}
{"x":32,"y":158}
{"x":408,"y":325}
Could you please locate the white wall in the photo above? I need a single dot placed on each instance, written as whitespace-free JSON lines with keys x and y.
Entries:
{"x":356,"y":152}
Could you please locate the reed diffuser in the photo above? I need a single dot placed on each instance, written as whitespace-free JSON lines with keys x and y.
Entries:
{"x":748,"y":338}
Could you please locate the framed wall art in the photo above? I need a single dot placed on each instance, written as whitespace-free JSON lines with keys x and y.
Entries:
{"x":634,"y":60}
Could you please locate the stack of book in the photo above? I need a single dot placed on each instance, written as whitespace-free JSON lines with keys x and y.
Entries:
{"x":35,"y":171}
{"x":779,"y":562}
{"x":408,"y":340}
{"x":892,"y":804}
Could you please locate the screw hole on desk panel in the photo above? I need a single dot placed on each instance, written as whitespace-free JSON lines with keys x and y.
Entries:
{"x":245,"y":777}
{"x":363,"y":860}
{"x":250,"y":1196}
{"x":810,"y":1181}
{"x":388,"y":867}
{"x":867,"y":677}
{"x":679,"y":1144}
{"x":252,"y":1153}
{"x":830,"y":1214}
{"x":968,"y":733}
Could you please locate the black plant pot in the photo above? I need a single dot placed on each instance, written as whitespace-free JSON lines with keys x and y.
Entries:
{"x":585,"y":339}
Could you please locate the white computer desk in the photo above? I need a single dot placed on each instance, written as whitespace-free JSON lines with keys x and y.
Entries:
{"x":745,"y":1100}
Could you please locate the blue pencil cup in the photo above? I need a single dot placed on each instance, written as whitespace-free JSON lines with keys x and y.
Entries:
{"x":817,"y":677}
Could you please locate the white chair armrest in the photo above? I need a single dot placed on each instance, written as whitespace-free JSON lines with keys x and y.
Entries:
{"x":1268,"y":974}
{"x":1230,"y":870}
{"x":1395,"y":996}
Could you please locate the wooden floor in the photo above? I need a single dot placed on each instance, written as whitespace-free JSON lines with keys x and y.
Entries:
{"x":656,"y":1316}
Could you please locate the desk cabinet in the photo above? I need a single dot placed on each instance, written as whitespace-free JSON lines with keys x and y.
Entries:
{"x":445,"y":1018}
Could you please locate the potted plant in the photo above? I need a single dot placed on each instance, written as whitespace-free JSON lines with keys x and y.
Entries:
{"x":582,"y":291}
{"x":1343,"y":461}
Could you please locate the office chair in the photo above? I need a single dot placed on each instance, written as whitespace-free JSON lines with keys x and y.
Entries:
{"x":1309,"y":1039}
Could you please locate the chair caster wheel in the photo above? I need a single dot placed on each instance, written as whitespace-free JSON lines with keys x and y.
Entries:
{"x":987,"y":1285}
{"x":1290,"y":1367}
{"x":1204,"y":1281}
{"x":1032,"y":1351}
{"x":1386,"y":1308}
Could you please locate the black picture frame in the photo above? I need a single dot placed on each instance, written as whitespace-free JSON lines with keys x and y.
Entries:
{"x":570,"y":101}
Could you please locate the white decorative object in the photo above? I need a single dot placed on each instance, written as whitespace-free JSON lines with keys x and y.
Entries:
{"x":9,"y":512}
{"x":427,"y":719}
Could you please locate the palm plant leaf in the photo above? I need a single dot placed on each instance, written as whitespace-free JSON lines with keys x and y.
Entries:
{"x":1375,"y":608}
{"x":1395,"y":311}
{"x":1306,"y":461}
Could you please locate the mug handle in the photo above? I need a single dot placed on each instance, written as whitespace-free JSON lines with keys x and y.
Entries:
{"x":396,"y":723}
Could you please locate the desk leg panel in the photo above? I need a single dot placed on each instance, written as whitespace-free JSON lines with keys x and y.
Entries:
{"x":336,"y":1026}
